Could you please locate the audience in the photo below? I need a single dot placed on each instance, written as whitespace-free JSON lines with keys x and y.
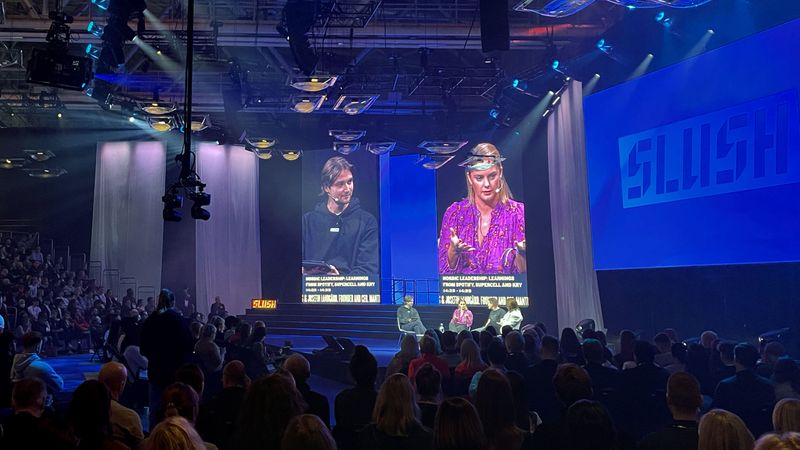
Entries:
{"x":458,"y":427}
{"x":684,"y":400}
{"x":786,"y":378}
{"x":89,"y":417}
{"x":786,"y":441}
{"x":217,"y":420}
{"x":542,"y":396}
{"x":495,"y":405}
{"x":723,"y":430}
{"x":409,"y":350}
{"x":605,"y":379}
{"x":353,"y":407}
{"x":300,"y":369}
{"x":29,"y":364}
{"x":427,"y":349}
{"x":471,"y":361}
{"x":786,"y":416}
{"x":395,"y":423}
{"x":207,"y":351}
{"x":307,"y":432}
{"x":25,"y":429}
{"x":642,"y":394}
{"x":268,"y":407}
{"x":515,"y":346}
{"x":428,"y":383}
{"x":589,"y":427}
{"x":126,"y":426}
{"x":770,"y":354}
{"x":174,"y":433}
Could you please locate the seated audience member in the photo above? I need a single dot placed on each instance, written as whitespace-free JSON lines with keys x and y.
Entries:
{"x":515,"y":346}
{"x":571,"y":347}
{"x":427,"y":349}
{"x":126,"y":426}
{"x":707,"y":340}
{"x":485,"y":338}
{"x":786,"y":377}
{"x":664,"y":350}
{"x":353,"y":407}
{"x":601,"y":336}
{"x":207,"y":351}
{"x":786,"y":441}
{"x":307,"y":432}
{"x":572,"y":384}
{"x":458,"y":427}
{"x":626,"y":342}
{"x":496,"y":313}
{"x":726,"y":368}
{"x":6,"y":360}
{"x":642,"y":394}
{"x":769,"y":356}
{"x":786,"y":416}
{"x":605,"y":380}
{"x":471,"y":361}
{"x":409,"y":351}
{"x":589,"y":427}
{"x":269,"y":405}
{"x":497,"y":355}
{"x":542,"y":396}
{"x":723,"y":430}
{"x":450,"y":352}
{"x":513,"y":317}
{"x":217,"y":420}
{"x":174,"y":433}
{"x":428,"y":383}
{"x":533,"y":344}
{"x":192,"y":376}
{"x":24,"y":429}
{"x":408,"y":317}
{"x":684,"y":400}
{"x":746,"y":394}
{"x":394,"y":420}
{"x":89,"y":412}
{"x":698,"y":364}
{"x":28,"y":364}
{"x":462,"y":318}
{"x":495,"y":405}
{"x":130,"y":350}
{"x":526,"y":421}
{"x":300,"y":369}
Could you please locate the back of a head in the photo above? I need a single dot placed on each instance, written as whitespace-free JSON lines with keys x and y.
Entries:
{"x":662,"y":340}
{"x":550,"y":346}
{"x":496,"y":353}
{"x":707,"y":338}
{"x":427,"y":345}
{"x":208,"y":331}
{"x":428,"y":381}
{"x":166,"y":299}
{"x":31,"y":341}
{"x":589,"y":426}
{"x":457,"y":426}
{"x":307,"y":432}
{"x":89,"y":410}
{"x":174,"y":433}
{"x":113,"y":375}
{"x":786,"y":416}
{"x":725,"y":350}
{"x":644,"y":352}
{"x":746,"y":355}
{"x":268,"y":407}
{"x":470,"y":352}
{"x":515,"y":343}
{"x":774,"y":350}
{"x":593,"y":351}
{"x":785,"y":441}
{"x":192,"y":375}
{"x":298,"y":366}
{"x":363,"y":366}
{"x":569,"y":341}
{"x":396,"y":407}
{"x":494,"y":402}
{"x":28,"y":394}
{"x":683,"y":393}
{"x":786,"y":370}
{"x":179,"y":399}
{"x":723,"y":430}
{"x":234,"y":374}
{"x":572,"y":383}
{"x":448,"y":341}
{"x":409,"y":345}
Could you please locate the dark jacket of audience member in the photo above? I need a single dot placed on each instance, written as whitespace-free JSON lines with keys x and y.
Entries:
{"x":605,"y":380}
{"x":353,"y":407}
{"x":269,"y":405}
{"x":684,"y":400}
{"x":217,"y":420}
{"x":166,"y":341}
{"x":318,"y":404}
{"x":542,"y":396}
{"x":641,"y":398}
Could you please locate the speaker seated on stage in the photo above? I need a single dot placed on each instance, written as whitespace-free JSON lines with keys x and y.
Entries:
{"x":462,"y":318}
{"x":408,"y":317}
{"x":513,"y":317}
{"x":495,"y":314}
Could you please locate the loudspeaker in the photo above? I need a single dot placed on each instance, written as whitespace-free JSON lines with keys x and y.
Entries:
{"x":495,"y":34}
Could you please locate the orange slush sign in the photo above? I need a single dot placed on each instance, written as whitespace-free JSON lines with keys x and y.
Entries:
{"x":264,"y":303}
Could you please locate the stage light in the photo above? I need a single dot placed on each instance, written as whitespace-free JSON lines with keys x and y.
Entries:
{"x":95,"y":29}
{"x":354,"y":104}
{"x":307,"y":104}
{"x":199,"y":200}
{"x":162,"y":124}
{"x":172,"y":202}
{"x":547,"y":112}
{"x":494,"y":113}
{"x":663,"y":19}
{"x":584,"y":325}
{"x":313,"y":84}
{"x":261,"y":143}
{"x":262,"y":153}
{"x":347,"y":135}
{"x":46,"y":173}
{"x":346,"y":148}
{"x":433,"y":162}
{"x":442,"y":147}
{"x":131,"y":119}
{"x":604,"y":46}
{"x":291,"y":155}
{"x":102,"y":4}
{"x":12,"y":163}
{"x":379,"y":148}
{"x":59,"y":115}
{"x":554,"y":65}
{"x":200,"y":123}
{"x":157,"y":107}
{"x":488,"y":60}
{"x":93,"y":51}
{"x":39,"y":155}
{"x":710,"y":31}
{"x":556,"y":100}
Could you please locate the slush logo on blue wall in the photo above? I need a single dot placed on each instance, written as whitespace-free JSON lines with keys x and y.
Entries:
{"x":748,"y":146}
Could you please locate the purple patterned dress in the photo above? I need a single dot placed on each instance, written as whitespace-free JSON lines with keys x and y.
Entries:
{"x":495,"y":255}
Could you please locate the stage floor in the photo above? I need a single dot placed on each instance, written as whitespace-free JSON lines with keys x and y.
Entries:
{"x":382,"y":349}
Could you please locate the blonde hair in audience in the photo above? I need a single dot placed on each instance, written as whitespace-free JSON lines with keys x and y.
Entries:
{"x":785,"y":441}
{"x":174,"y":433}
{"x":723,"y":430}
{"x":396,"y":408}
{"x":786,"y":416}
{"x":307,"y":432}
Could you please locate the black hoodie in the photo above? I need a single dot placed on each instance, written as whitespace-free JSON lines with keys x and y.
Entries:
{"x":348,"y":241}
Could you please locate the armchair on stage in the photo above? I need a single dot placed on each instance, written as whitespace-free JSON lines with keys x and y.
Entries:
{"x":403,"y":332}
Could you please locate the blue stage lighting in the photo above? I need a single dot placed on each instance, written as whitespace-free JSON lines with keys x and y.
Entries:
{"x":555,"y":64}
{"x":95,"y":29}
{"x":494,"y":113}
{"x":93,"y":51}
{"x":515,"y":83}
{"x":102,"y":4}
{"x":601,"y":43}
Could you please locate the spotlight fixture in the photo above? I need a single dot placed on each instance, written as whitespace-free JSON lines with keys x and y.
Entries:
{"x":11,"y":163}
{"x":346,"y":148}
{"x":379,"y":148}
{"x":172,"y":203}
{"x":442,"y":147}
{"x":93,"y":51}
{"x":604,"y":46}
{"x":260,"y":143}
{"x":45,"y":173}
{"x":354,"y":104}
{"x":95,"y":29}
{"x":347,"y":135}
{"x":433,"y":162}
{"x":102,"y":4}
{"x":262,"y":153}
{"x":162,"y":124}
{"x":313,"y":84}
{"x":291,"y":155}
{"x":584,"y":325}
{"x":555,"y":64}
{"x":307,"y":103}
{"x":200,"y":199}
{"x":663,"y":19}
{"x":157,"y":107}
{"x":40,"y":155}
{"x":200,"y":122}
{"x":494,"y":113}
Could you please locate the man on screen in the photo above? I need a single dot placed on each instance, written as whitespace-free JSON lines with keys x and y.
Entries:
{"x":340,"y":236}
{"x":485,"y":232}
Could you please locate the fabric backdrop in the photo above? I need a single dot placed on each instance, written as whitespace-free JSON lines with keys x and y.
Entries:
{"x":577,"y":295}
{"x":228,"y":245}
{"x":127,"y":228}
